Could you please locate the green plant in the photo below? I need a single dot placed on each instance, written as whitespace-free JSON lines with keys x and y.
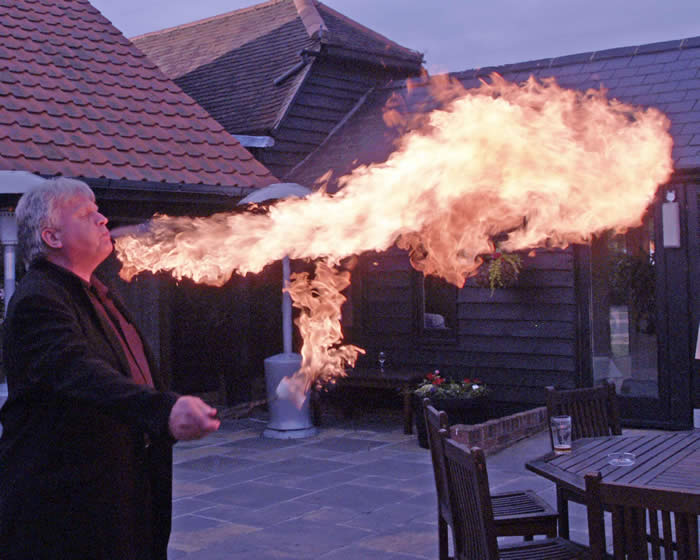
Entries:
{"x":499,"y":270}
{"x":435,"y":386}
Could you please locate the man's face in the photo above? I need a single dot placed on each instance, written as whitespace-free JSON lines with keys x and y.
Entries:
{"x":82,"y":233}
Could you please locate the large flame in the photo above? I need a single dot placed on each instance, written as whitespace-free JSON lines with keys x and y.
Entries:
{"x":549,"y":166}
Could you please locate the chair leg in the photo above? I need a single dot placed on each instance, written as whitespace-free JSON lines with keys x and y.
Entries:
{"x":443,"y":540}
{"x":563,"y":507}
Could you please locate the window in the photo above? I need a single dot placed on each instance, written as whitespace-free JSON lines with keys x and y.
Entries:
{"x":439,"y":313}
{"x":625,"y":343}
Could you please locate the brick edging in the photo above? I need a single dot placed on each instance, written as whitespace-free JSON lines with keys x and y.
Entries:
{"x":497,"y":434}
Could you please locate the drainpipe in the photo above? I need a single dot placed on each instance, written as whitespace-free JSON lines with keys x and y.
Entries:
{"x":8,"y":238}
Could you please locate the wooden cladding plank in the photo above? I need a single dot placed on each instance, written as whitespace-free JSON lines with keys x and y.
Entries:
{"x":512,"y":345}
{"x":530,"y":278}
{"x":383,"y":293}
{"x":388,"y":262}
{"x":316,"y":113}
{"x":517,"y":295}
{"x":310,"y":124}
{"x":552,"y":259}
{"x":340,"y":77}
{"x":524,"y":395}
{"x":529,"y":329}
{"x":517,"y":311}
{"x":313,"y":100}
{"x":392,"y":279}
{"x":298,"y":136}
{"x":291,"y":145}
{"x":458,"y":358}
{"x":400,"y":310}
{"x":285,"y":159}
{"x":526,"y":378}
{"x":387,"y":325}
{"x":355,"y":87}
{"x":331,"y":92}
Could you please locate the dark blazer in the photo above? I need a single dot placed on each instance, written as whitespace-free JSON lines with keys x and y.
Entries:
{"x":85,"y":454}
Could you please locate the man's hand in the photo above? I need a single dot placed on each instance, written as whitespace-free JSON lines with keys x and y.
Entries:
{"x":192,"y":418}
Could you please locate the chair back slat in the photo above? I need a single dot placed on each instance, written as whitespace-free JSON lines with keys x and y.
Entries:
{"x":436,"y":420}
{"x":470,"y":503}
{"x":657,"y":520}
{"x":594,"y":411}
{"x":654,"y":534}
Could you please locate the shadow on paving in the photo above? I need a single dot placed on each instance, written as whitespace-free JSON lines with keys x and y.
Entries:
{"x":360,"y":489}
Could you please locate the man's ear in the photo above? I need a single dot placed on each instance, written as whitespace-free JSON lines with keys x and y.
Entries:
{"x":51,"y":238}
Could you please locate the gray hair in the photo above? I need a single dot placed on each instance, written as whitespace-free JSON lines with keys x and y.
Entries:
{"x":36,"y":210}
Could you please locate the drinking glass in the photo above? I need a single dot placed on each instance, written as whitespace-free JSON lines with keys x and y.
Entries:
{"x":381,"y":359}
{"x":561,"y":433}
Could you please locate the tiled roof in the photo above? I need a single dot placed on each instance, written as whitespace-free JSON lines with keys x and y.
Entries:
{"x":179,"y":50}
{"x":229,"y":63}
{"x":345,"y":32}
{"x":662,"y":75}
{"x":78,"y":99}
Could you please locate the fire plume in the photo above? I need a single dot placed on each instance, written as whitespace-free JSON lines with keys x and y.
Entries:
{"x":548,"y":165}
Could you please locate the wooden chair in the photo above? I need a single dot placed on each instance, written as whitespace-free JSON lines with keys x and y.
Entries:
{"x":646,"y":522}
{"x":594,"y":412}
{"x":474,"y":530}
{"x":515,"y":513}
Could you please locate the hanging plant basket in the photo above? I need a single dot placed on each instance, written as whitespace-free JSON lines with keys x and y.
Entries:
{"x":499,"y":270}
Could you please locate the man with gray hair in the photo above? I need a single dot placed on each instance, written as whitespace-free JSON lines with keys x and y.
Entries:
{"x":88,"y":427}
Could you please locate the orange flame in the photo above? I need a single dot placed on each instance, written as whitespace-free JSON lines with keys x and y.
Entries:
{"x":320,"y":301}
{"x":549,"y":166}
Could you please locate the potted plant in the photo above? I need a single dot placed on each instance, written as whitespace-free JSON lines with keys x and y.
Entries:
{"x":463,"y":400}
{"x":499,"y":270}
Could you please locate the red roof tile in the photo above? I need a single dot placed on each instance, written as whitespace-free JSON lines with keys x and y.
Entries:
{"x":77,"y":98}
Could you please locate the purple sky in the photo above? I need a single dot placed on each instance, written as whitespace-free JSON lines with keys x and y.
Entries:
{"x":463,"y":34}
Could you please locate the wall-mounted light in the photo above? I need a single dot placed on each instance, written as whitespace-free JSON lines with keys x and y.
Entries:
{"x":670,"y":221}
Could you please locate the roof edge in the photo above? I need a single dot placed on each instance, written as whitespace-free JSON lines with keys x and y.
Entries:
{"x":311,"y":18}
{"x":581,"y":58}
{"x":204,"y":20}
{"x":410,"y":53}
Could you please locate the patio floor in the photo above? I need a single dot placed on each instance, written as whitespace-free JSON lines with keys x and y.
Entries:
{"x":359,"y":490}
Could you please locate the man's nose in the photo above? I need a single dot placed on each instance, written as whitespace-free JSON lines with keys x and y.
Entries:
{"x":101,"y":219}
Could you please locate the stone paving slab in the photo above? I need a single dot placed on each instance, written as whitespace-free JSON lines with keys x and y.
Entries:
{"x":354,"y":491}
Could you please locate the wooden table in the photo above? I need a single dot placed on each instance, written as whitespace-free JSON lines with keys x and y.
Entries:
{"x":667,"y":460}
{"x":405,"y":380}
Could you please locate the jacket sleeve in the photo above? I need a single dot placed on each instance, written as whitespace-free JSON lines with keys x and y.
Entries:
{"x":49,"y":347}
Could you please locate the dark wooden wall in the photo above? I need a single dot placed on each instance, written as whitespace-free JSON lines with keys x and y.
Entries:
{"x":328,"y":93}
{"x":518,"y":340}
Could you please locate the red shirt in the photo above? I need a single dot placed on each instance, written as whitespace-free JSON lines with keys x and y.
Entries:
{"x":126,"y":333}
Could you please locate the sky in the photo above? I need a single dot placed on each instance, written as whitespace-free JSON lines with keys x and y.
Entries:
{"x":459,"y":35}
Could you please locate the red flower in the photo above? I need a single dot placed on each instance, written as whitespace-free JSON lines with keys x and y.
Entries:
{"x":497,"y":255}
{"x":429,"y":377}
{"x":438,"y":381}
{"x":466,"y":381}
